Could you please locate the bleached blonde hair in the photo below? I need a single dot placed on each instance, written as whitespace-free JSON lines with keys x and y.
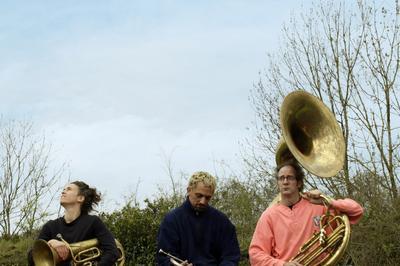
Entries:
{"x":204,"y":177}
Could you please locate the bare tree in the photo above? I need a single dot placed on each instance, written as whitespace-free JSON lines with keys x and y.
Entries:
{"x":24,"y":179}
{"x":350,"y":60}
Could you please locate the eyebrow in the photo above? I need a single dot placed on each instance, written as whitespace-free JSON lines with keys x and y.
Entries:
{"x":202,"y":195}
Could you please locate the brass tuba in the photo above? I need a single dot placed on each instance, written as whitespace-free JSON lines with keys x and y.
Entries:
{"x":312,"y":136}
{"x":83,"y":253}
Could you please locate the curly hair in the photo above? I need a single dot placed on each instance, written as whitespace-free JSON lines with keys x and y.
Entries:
{"x":298,"y":169}
{"x":90,"y":194}
{"x":204,"y":177}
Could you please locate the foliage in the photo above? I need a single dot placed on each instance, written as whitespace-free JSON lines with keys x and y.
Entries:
{"x":242,"y":205}
{"x":14,"y":251}
{"x":136,"y":228}
{"x":376,"y":239}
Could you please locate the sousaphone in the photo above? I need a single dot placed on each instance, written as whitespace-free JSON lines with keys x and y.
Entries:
{"x":312,"y":136}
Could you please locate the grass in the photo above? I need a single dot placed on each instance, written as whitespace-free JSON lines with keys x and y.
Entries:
{"x":14,"y":252}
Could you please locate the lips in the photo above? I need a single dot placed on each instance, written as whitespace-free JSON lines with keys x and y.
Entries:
{"x":200,"y":207}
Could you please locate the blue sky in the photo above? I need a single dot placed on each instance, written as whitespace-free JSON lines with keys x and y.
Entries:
{"x":118,"y":85}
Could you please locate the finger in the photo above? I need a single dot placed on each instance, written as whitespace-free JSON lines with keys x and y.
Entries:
{"x":64,"y":252}
{"x":60,"y":253}
{"x":314,"y":195}
{"x":304,"y":194}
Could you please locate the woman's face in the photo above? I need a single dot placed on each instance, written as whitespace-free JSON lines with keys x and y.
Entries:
{"x":70,"y":195}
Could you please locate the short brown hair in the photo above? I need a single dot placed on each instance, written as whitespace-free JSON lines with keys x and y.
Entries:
{"x":297,"y":168}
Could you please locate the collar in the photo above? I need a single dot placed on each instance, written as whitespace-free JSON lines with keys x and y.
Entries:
{"x":73,"y":222}
{"x":188,"y":207}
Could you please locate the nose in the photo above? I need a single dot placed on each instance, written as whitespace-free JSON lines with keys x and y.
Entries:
{"x":203,"y":201}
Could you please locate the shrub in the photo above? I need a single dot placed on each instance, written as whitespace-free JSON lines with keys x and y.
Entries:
{"x":137,"y":229}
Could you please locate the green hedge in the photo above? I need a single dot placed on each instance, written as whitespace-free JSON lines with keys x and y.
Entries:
{"x":136,"y":228}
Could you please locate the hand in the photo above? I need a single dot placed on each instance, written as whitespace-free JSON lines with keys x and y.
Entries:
{"x":314,"y":196}
{"x":292,"y":263}
{"x":60,"y":247}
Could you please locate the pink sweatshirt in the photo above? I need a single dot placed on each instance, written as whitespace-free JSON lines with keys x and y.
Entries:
{"x":281,"y":231}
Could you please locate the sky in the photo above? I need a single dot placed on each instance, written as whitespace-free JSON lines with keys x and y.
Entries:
{"x":119,"y":88}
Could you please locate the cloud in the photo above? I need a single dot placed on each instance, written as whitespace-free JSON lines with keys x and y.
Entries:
{"x":116,"y":155}
{"x":117,"y":85}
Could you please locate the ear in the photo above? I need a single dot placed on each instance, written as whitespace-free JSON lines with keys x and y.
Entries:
{"x":81,"y":198}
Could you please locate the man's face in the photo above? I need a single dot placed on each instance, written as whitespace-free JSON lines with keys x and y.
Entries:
{"x":70,"y":195}
{"x":199,"y":196}
{"x":287,"y":182}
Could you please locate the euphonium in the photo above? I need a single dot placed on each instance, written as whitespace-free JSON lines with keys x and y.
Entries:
{"x":312,"y":136}
{"x":81,"y":253}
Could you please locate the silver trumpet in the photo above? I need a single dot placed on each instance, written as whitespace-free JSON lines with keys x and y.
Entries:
{"x":174,"y":260}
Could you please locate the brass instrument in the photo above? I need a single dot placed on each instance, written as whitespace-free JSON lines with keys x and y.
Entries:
{"x":312,"y":136}
{"x":83,"y":253}
{"x":327,"y":246}
{"x":174,"y":260}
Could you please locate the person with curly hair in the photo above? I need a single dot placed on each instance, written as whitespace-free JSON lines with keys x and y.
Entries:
{"x":76,"y":225}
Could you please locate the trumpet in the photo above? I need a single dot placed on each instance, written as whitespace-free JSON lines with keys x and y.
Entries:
{"x":174,"y":260}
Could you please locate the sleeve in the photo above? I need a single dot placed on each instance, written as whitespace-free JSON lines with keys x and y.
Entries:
{"x":107,"y":244}
{"x":261,"y":246}
{"x":230,"y":254}
{"x":350,"y":207}
{"x":167,"y":240}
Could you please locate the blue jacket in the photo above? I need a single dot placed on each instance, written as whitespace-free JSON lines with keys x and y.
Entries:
{"x":202,"y":238}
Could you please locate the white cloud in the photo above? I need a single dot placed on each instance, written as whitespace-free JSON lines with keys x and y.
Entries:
{"x":115,"y":155}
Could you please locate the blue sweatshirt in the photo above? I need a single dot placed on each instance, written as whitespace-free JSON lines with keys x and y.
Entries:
{"x":201,"y":238}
